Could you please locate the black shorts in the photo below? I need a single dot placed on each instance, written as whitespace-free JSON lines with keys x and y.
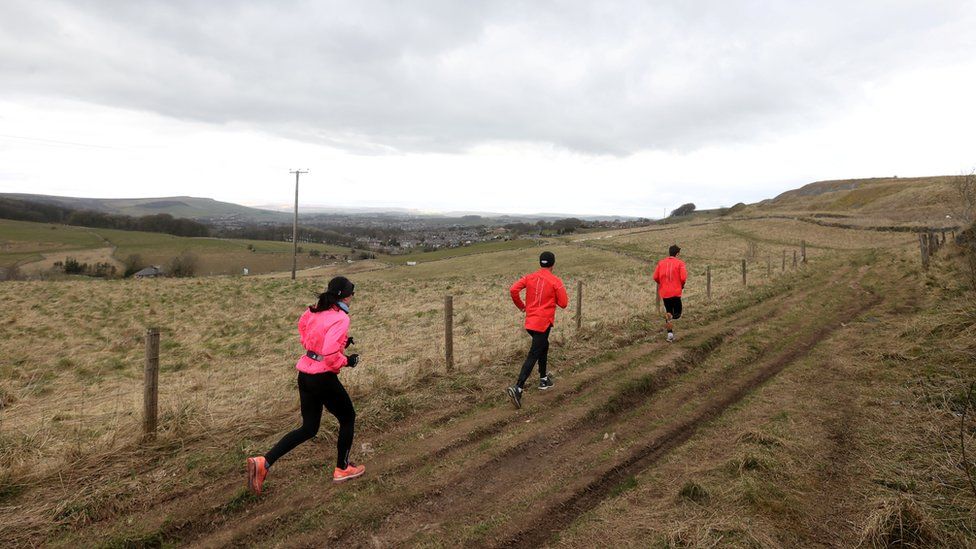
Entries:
{"x":673,"y":306}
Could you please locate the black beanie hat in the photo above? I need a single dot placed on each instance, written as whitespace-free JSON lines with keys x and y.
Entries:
{"x":673,"y":250}
{"x":547,"y":259}
{"x":341,"y":287}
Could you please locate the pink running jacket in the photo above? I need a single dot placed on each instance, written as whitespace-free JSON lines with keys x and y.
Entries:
{"x":324,"y":333}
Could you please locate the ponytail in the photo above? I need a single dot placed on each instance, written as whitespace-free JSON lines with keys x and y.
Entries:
{"x":326,"y":302}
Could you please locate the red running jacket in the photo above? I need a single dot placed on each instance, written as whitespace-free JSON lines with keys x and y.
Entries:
{"x":543,"y":291}
{"x":324,"y":333}
{"x":670,"y":274}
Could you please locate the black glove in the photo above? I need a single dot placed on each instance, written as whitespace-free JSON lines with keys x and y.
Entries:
{"x":350,"y":341}
{"x":353,"y":360}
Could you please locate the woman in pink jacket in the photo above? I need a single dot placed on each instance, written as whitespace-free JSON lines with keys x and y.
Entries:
{"x":324,"y":332}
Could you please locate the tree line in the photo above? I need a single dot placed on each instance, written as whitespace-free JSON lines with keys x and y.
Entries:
{"x":559,"y":226}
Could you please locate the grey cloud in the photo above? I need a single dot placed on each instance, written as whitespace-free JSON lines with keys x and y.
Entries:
{"x":595,"y":77}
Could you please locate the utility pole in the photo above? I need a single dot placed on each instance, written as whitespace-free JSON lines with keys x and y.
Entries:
{"x":294,"y":229}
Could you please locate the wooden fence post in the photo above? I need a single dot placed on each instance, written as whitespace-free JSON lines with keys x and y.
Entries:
{"x":769,"y":268}
{"x":943,"y":236}
{"x":794,"y":259}
{"x":449,"y":331}
{"x":923,"y":249}
{"x":803,"y":251}
{"x":744,"y":273}
{"x":151,"y":388}
{"x":579,"y":306}
{"x":708,"y":282}
{"x":784,"y":261}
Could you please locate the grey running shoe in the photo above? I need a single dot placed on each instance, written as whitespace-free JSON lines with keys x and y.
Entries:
{"x":545,"y":382}
{"x":516,"y":395}
{"x":670,"y":337}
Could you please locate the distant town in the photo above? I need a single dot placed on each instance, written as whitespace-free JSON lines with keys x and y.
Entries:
{"x":394,"y":234}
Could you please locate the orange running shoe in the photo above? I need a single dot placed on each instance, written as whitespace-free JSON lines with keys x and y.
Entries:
{"x":351,"y":471}
{"x":257,"y":469}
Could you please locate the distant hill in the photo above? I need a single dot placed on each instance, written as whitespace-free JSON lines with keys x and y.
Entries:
{"x":485,"y":217}
{"x":902,"y":199}
{"x":178,"y":206}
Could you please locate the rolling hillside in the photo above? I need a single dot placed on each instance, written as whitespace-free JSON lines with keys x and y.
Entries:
{"x":177,"y":206}
{"x":909,"y":200}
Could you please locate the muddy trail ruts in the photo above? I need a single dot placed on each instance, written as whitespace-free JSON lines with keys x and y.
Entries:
{"x":532,"y":489}
{"x":203,"y":516}
{"x":451,"y":438}
{"x":469,"y":432}
{"x":471,"y":477}
{"x":553,"y":519}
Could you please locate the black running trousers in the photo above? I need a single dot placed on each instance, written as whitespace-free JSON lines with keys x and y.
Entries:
{"x":539,"y":352}
{"x":673,"y":306}
{"x":317,"y":391}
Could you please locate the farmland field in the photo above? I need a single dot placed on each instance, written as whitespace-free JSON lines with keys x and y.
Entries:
{"x":24,"y":243}
{"x":448,"y":253}
{"x":806,"y":408}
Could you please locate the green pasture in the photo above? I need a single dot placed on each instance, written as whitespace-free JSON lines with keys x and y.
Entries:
{"x":23,"y":242}
{"x":447,"y":253}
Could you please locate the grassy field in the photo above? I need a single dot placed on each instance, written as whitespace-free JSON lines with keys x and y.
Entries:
{"x":23,"y":243}
{"x":809,"y":408}
{"x":448,"y":253}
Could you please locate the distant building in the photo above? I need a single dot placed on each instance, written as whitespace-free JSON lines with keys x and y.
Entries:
{"x":150,"y":272}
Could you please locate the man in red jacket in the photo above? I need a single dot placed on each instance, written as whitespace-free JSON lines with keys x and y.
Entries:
{"x":671,"y":275}
{"x":543,"y":291}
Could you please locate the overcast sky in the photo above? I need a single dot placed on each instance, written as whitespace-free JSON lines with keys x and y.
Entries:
{"x":578,"y":107}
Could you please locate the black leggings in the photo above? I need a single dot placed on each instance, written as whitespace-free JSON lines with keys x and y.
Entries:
{"x":673,"y":306}
{"x":316,"y":391}
{"x":539,"y":352}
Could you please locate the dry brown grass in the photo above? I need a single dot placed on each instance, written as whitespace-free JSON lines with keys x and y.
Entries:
{"x":229,"y":347}
{"x":856,"y":444}
{"x":924,"y":200}
{"x":901,"y":522}
{"x":71,"y":352}
{"x":93,"y":256}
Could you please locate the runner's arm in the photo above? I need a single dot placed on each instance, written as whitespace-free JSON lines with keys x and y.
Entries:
{"x":561,"y":298}
{"x":515,"y":291}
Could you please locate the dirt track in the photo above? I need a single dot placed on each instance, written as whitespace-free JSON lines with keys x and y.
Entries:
{"x":471,"y":470}
{"x":486,"y":474}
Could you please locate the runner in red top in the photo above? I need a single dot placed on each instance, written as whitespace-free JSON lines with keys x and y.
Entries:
{"x":671,"y":275}
{"x":543,"y":292}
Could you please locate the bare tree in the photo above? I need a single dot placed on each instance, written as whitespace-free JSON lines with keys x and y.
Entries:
{"x":965,"y":188}
{"x":133,"y":264}
{"x":183,"y":265}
